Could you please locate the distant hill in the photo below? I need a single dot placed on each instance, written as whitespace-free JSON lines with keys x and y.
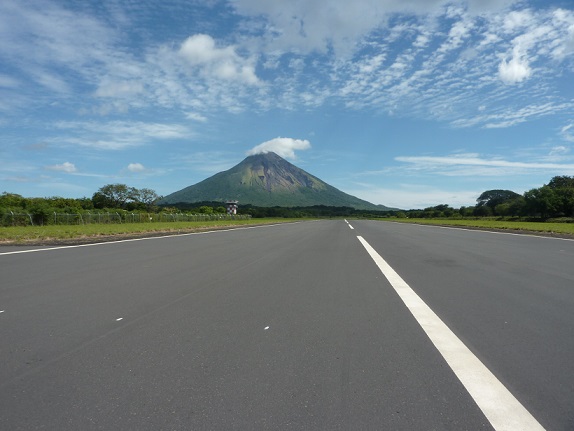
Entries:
{"x":267,"y":180}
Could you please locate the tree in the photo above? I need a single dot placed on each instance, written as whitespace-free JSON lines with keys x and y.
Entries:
{"x":555,"y":199}
{"x":112,"y":196}
{"x":563,"y":187}
{"x":466,"y":211}
{"x":541,"y":202}
{"x":513,"y":207}
{"x":40,"y":213}
{"x":561,"y":182}
{"x":101,"y":201}
{"x":492,"y":198}
{"x":11,"y":200}
{"x":147,"y":197}
{"x":482,"y":211}
{"x":205,"y":210}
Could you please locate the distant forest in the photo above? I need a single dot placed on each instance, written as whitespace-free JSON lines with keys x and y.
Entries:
{"x":554,"y":200}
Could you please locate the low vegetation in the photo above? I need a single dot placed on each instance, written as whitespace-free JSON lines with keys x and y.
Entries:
{"x":89,"y":233}
{"x":496,"y":224}
{"x":117,"y":209}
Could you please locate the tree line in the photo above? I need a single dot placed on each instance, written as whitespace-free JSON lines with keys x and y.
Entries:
{"x":551,"y":201}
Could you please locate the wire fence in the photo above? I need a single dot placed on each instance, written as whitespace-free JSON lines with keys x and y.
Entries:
{"x":27,"y":219}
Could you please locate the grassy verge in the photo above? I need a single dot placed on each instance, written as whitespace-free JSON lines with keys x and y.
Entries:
{"x":540,"y":227}
{"x":94,"y":232}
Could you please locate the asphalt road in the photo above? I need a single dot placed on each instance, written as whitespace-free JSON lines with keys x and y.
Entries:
{"x":282,"y":327}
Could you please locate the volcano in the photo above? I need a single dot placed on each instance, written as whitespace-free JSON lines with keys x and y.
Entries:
{"x":267,"y":180}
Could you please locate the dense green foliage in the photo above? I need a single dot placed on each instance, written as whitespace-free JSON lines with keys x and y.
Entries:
{"x":124,"y":197}
{"x":112,"y":203}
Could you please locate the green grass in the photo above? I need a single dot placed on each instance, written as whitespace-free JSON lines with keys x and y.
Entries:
{"x":548,"y":227}
{"x":28,"y":234}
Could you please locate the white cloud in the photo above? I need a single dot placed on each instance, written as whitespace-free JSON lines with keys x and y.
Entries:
{"x":66,"y":167}
{"x":200,"y":51}
{"x":516,"y":70}
{"x":284,"y":147}
{"x":136,"y":167}
{"x":518,"y":20}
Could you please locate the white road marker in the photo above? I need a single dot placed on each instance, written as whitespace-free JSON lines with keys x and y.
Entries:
{"x":2,"y":311}
{"x":351,"y":227}
{"x":119,"y":318}
{"x":500,"y":407}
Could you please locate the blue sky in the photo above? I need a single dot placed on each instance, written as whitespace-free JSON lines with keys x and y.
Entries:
{"x":406,"y":103}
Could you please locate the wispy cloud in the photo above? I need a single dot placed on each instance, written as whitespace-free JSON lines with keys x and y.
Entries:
{"x":511,"y":116}
{"x":118,"y":135}
{"x":96,"y":77}
{"x":206,"y":162}
{"x":196,"y":117}
{"x":567,"y":132}
{"x":473,"y":165}
{"x":443,"y":62}
{"x":66,"y":167}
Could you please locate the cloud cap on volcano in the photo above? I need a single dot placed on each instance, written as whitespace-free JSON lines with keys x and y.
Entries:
{"x":284,"y":147}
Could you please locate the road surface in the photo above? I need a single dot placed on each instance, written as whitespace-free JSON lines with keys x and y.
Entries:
{"x":293,"y":326}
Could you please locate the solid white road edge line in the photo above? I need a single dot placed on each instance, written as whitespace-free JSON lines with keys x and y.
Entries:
{"x":147,"y":238}
{"x":500,"y":407}
{"x":526,"y":235}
